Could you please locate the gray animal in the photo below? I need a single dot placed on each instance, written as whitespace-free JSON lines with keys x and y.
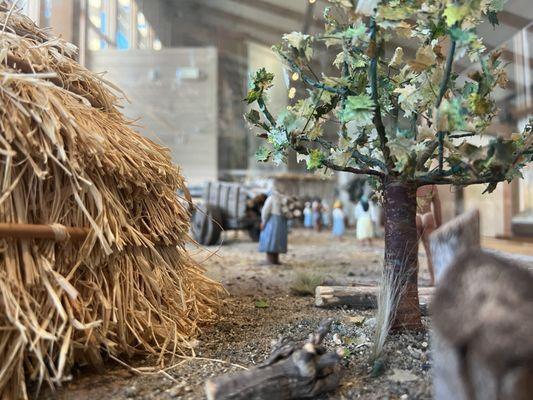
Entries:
{"x":482,"y":312}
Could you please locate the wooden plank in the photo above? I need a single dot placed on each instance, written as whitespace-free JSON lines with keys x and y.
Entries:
{"x":360,"y":297}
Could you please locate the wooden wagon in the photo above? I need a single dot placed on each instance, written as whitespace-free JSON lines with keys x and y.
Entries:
{"x":226,"y":206}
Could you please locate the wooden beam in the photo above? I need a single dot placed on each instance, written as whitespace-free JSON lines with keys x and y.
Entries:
{"x":273,"y":9}
{"x":308,"y":19}
{"x":238,"y":19}
{"x":516,"y":21}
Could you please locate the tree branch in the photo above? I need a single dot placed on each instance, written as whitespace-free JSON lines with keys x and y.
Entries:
{"x":311,"y":82}
{"x":442,"y":92}
{"x":447,"y":73}
{"x":369,"y":161}
{"x":358,"y":171}
{"x":264,"y":110}
{"x":443,"y":180}
{"x":378,"y":120}
{"x":426,"y":155}
{"x":440,"y":135}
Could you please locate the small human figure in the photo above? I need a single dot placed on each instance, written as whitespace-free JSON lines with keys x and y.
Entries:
{"x":317,"y":215}
{"x":325,"y":214}
{"x":364,"y":228}
{"x":274,"y":232}
{"x":308,"y":216}
{"x":428,"y":218}
{"x":375,"y":215}
{"x":339,"y":224}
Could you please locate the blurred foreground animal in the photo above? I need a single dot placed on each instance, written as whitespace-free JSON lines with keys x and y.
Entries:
{"x":482,"y":315}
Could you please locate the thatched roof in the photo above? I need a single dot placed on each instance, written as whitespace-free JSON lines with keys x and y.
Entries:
{"x":70,"y":159}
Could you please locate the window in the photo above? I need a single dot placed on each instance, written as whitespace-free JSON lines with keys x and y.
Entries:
{"x":143,"y":30}
{"x":98,"y":24}
{"x":124,"y":28}
{"x":47,"y":12}
{"x":119,"y":24}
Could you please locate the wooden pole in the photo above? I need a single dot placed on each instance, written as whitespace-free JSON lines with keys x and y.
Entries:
{"x":54,"y":232}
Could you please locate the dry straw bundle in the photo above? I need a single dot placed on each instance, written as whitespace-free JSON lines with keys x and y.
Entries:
{"x":69,"y":159}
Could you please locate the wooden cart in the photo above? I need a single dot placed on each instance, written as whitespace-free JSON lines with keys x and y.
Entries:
{"x":226,"y":206}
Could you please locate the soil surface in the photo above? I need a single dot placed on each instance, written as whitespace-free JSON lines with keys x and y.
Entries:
{"x":262,"y":307}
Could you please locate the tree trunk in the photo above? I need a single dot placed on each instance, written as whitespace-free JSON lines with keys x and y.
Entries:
{"x":401,"y":251}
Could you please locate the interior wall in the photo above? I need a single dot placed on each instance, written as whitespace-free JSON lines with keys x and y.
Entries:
{"x":62,"y":18}
{"x":491,"y":208}
{"x":175,"y":93}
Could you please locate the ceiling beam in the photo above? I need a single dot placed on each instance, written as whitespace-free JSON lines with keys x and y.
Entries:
{"x":238,"y":19}
{"x":516,"y":21}
{"x":272,"y":8}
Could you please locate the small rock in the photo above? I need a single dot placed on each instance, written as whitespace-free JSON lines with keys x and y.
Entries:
{"x":414,"y":353}
{"x":424,"y":345}
{"x":400,"y":376}
{"x":404,"y":397}
{"x":130,"y":392}
{"x":370,"y":323}
{"x":357,"y":319}
{"x":188,"y":388}
{"x":337,"y":339}
{"x":175,"y":391}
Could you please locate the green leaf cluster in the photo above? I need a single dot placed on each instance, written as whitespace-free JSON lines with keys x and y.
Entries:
{"x":386,"y":112}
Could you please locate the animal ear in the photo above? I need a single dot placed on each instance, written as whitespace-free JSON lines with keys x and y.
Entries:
{"x":452,"y":239}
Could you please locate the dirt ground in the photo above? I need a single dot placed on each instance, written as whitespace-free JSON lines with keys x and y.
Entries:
{"x":242,"y":337}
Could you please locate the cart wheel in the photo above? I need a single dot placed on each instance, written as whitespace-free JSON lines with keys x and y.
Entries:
{"x":255,"y":231}
{"x":207,"y":225}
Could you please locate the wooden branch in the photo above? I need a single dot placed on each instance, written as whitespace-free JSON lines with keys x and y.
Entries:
{"x":291,"y":372}
{"x":54,"y":232}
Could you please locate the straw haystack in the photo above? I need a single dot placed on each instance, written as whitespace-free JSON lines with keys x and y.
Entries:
{"x":92,"y":233}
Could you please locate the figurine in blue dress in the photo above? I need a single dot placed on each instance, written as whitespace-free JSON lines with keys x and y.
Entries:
{"x":308,"y":216}
{"x":339,"y":225}
{"x":274,"y":232}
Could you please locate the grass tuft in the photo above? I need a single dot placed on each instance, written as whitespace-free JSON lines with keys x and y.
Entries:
{"x":390,"y":290}
{"x":304,"y":283}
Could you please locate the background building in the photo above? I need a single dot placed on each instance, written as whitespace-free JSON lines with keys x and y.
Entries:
{"x":184,"y":65}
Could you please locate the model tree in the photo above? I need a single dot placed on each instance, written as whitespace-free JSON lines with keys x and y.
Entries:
{"x":407,"y":120}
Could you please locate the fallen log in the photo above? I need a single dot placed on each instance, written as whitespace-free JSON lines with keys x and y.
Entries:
{"x":359,"y":297}
{"x":291,"y":372}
